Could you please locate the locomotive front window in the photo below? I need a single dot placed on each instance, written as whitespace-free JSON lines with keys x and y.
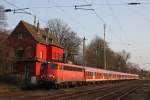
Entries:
{"x":54,"y":66}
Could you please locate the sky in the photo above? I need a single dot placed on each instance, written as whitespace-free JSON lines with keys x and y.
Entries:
{"x":127,"y":26}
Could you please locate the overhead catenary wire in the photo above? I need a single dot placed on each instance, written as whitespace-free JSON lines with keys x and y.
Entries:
{"x":74,"y":19}
{"x":99,"y":17}
{"x":103,"y":21}
{"x":139,"y":14}
{"x":13,"y":5}
{"x":147,"y":19}
{"x":55,"y":6}
{"x":143,"y":17}
{"x":117,"y":21}
{"x":93,"y":4}
{"x":45,"y":22}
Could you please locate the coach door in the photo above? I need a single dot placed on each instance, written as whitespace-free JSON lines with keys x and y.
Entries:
{"x":27,"y":74}
{"x":93,"y":75}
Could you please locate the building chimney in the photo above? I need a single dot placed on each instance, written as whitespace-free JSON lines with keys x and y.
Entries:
{"x":34,"y":20}
{"x":46,"y":30}
{"x":38,"y":27}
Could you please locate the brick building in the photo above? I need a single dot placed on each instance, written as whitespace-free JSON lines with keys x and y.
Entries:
{"x":31,"y":46}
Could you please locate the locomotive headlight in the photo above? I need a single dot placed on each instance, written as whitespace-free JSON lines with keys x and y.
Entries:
{"x":51,"y":75}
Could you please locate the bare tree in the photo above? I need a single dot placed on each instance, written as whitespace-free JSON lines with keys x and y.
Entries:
{"x":122,"y":60}
{"x":3,"y":36}
{"x":3,"y":48}
{"x":65,"y":37}
{"x":114,"y":61}
{"x":95,"y":53}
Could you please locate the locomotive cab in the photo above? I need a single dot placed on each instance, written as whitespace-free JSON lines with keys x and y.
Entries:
{"x":49,"y":73}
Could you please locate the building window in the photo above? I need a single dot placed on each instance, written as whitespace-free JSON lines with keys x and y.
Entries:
{"x":41,"y":54}
{"x":19,"y":52}
{"x":20,"y":36}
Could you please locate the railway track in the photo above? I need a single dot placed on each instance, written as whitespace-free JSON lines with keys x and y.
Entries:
{"x":126,"y":93}
{"x":118,"y":94}
{"x":84,"y":92}
{"x":71,"y":94}
{"x":81,"y":94}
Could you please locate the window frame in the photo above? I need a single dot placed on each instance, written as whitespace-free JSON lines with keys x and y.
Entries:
{"x":70,"y":68}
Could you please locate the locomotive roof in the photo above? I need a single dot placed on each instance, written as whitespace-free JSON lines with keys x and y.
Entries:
{"x":106,"y":71}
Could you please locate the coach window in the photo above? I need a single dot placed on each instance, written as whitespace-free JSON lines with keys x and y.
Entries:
{"x":86,"y":73}
{"x":89,"y":73}
{"x":110,"y":75}
{"x":106,"y":74}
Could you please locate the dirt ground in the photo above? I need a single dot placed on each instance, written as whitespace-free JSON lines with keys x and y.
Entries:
{"x":142,"y":93}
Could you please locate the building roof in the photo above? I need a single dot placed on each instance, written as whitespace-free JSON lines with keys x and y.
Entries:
{"x":37,"y":33}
